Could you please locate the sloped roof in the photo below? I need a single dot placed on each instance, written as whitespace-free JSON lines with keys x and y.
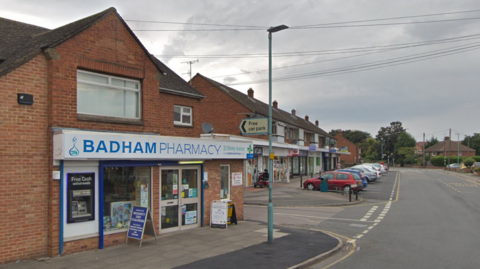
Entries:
{"x":258,"y":107}
{"x":14,"y":34}
{"x":445,"y":146}
{"x":174,"y":84}
{"x":30,"y":45}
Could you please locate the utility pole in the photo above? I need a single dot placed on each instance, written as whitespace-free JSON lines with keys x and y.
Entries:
{"x":450,"y":146}
{"x":423,"y":151}
{"x":458,"y":152}
{"x":190,"y":69}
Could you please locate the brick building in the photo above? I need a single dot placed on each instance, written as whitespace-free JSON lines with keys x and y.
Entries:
{"x":449,"y":148}
{"x":91,"y":125}
{"x":301,"y":147}
{"x":345,"y":145}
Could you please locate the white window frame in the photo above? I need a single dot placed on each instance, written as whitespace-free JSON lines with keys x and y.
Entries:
{"x":181,"y":116}
{"x":111,"y":86}
{"x":229,"y":185}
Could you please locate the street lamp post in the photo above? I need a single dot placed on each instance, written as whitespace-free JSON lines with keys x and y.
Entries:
{"x":382,"y":152}
{"x":270,"y":161}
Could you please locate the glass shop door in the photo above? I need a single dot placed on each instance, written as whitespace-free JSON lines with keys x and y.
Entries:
{"x":179,"y":198}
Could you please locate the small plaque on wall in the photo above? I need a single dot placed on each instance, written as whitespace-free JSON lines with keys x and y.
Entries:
{"x":25,"y":99}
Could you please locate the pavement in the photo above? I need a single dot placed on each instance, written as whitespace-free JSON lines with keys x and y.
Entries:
{"x":244,"y":245}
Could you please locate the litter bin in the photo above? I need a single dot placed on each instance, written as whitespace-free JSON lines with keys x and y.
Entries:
{"x":324,"y":185}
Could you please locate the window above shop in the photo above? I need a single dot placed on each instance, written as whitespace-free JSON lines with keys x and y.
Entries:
{"x":103,"y":95}
{"x":182,"y":115}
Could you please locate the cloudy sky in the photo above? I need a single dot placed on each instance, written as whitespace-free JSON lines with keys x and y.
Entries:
{"x":352,"y":65}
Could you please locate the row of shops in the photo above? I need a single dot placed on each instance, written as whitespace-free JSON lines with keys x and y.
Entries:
{"x":290,"y":160}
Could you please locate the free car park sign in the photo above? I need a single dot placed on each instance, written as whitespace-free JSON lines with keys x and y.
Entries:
{"x":254,"y":126}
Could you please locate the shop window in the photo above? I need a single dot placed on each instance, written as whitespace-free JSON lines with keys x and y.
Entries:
{"x":102,"y":95}
{"x":224,"y":182}
{"x":182,"y":115}
{"x":124,"y":187}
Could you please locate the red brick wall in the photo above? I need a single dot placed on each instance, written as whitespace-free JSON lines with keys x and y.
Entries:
{"x":220,"y":109}
{"x":213,"y":192}
{"x":347,"y":160}
{"x":29,"y":196}
{"x":24,"y":175}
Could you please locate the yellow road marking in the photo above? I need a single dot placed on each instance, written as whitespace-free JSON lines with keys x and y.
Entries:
{"x":354,"y":246}
{"x":449,"y":185}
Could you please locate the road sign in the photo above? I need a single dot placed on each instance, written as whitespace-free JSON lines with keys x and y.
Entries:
{"x":254,"y":126}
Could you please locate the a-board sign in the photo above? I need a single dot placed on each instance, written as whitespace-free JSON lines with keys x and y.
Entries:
{"x":140,"y":224}
{"x":219,"y":214}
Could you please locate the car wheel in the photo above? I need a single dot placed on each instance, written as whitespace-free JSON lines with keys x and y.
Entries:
{"x":368,"y":180}
{"x":347,"y":189}
{"x":254,"y":185}
{"x":310,"y":187}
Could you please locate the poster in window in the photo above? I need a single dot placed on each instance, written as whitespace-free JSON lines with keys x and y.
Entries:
{"x":190,"y":217}
{"x":116,"y":215}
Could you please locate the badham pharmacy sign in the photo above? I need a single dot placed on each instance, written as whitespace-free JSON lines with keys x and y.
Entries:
{"x":71,"y":145}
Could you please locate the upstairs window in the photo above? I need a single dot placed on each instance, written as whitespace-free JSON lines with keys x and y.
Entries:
{"x":182,"y":115}
{"x":103,"y":95}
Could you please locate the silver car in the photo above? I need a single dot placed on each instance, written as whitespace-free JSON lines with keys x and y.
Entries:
{"x":367,"y":173}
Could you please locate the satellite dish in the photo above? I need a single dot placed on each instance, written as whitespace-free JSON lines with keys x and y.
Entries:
{"x":294,"y":141}
{"x":207,"y":128}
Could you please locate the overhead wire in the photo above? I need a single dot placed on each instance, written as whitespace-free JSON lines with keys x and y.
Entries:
{"x":376,"y":64}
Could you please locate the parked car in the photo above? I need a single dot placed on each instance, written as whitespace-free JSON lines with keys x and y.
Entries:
{"x":475,"y":165}
{"x":336,"y":180}
{"x":362,"y":178}
{"x":454,"y":165}
{"x":379,"y":166}
{"x":369,"y":174}
{"x":371,"y":167}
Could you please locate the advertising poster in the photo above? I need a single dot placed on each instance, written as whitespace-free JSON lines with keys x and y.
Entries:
{"x":190,"y":217}
{"x":137,"y":223}
{"x":117,"y":215}
{"x":219,"y":214}
{"x":175,"y":190}
{"x":237,"y":179}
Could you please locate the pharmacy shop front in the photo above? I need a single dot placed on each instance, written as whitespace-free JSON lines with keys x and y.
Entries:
{"x":103,"y":175}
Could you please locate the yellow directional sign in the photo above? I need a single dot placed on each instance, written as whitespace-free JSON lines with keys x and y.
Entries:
{"x":254,"y":126}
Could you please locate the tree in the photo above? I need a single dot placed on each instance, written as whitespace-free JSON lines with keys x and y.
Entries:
{"x":473,"y":142}
{"x":388,"y":136}
{"x":404,"y":147}
{"x":431,"y":142}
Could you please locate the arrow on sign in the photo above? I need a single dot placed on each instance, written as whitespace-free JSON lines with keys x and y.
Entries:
{"x":254,"y":126}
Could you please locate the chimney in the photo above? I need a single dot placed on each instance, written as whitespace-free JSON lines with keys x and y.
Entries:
{"x":316,"y":123}
{"x":250,"y":93}
{"x":446,"y":138}
{"x":294,"y":112}
{"x":339,"y":132}
{"x":275,"y":104}
{"x":306,"y":117}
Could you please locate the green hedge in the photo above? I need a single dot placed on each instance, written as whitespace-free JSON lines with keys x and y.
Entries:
{"x":438,"y":160}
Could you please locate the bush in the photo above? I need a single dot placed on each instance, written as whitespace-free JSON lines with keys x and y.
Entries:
{"x":477,"y":169}
{"x":468,"y":162}
{"x":439,"y":160}
{"x":476,"y":158}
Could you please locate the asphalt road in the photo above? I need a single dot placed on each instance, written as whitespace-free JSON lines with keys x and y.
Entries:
{"x":411,"y":218}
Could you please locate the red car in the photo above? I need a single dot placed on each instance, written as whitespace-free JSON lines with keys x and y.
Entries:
{"x":336,"y":180}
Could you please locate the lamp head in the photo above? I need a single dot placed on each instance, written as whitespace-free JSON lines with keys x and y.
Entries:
{"x":277,"y":28}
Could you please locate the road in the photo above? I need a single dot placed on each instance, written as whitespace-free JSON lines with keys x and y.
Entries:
{"x":411,"y":218}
